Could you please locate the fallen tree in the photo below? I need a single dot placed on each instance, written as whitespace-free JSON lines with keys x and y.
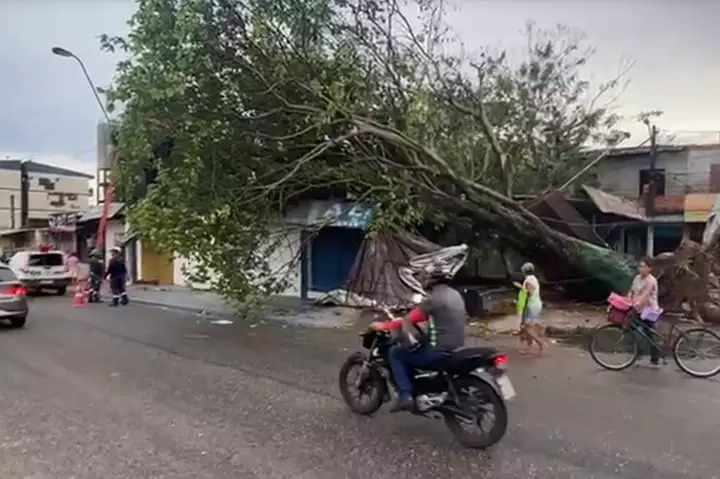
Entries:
{"x":267,"y":103}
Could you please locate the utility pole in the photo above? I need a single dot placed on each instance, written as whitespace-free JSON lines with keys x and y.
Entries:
{"x":651,"y":192}
{"x":24,"y":194}
{"x":12,"y":212}
{"x":652,"y":180}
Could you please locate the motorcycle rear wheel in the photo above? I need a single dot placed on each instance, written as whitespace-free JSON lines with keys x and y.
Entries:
{"x":476,"y":396}
{"x":373,"y":384}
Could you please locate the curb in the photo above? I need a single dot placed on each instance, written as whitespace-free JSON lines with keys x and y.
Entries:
{"x":210,"y":315}
{"x":578,"y":332}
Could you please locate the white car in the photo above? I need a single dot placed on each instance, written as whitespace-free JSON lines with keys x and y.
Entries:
{"x":41,"y":269}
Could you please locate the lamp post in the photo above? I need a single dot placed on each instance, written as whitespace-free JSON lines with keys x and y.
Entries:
{"x":62,"y":52}
{"x":109,"y":193}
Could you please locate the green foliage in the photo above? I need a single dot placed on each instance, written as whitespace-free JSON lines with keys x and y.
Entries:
{"x":272,"y":102}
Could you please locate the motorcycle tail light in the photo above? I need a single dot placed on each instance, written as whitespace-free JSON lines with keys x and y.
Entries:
{"x":500,"y":360}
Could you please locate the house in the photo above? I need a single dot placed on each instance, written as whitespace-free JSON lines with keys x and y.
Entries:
{"x":39,"y":203}
{"x":317,"y":242}
{"x":315,"y":247}
{"x":687,"y":179}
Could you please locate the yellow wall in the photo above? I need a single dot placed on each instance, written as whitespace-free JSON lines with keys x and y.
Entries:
{"x":156,"y":267}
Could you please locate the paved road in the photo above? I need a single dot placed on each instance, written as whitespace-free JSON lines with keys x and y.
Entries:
{"x":145,"y":393}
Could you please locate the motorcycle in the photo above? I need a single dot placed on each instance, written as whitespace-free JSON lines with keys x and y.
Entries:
{"x":463,"y":389}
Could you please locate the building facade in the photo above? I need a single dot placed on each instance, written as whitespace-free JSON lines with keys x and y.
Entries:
{"x":687,"y":187}
{"x":317,"y":244}
{"x":39,"y":203}
{"x":50,"y":190}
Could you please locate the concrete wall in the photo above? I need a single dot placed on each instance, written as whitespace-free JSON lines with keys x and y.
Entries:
{"x":621,"y":176}
{"x":685,"y":171}
{"x":699,"y":161}
{"x":48,"y":194}
{"x":284,"y":261}
{"x":114,"y":234}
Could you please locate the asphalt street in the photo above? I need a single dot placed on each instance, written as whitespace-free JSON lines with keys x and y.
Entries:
{"x":138,"y":392}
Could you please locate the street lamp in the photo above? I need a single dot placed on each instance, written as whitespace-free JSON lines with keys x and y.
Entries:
{"x":110,"y":192}
{"x":61,"y":52}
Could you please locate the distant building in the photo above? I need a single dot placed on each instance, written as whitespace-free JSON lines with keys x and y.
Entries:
{"x":54,"y":198}
{"x":687,"y":179}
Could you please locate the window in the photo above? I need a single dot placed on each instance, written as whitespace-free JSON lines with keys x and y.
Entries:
{"x":715,"y":178}
{"x":658,"y":174}
{"x":46,"y":259}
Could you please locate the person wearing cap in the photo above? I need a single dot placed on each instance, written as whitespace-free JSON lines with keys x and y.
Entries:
{"x":530,"y":326}
{"x":117,"y":273}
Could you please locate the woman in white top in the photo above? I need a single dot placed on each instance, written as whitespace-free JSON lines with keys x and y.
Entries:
{"x":644,"y":294}
{"x":530,"y":322}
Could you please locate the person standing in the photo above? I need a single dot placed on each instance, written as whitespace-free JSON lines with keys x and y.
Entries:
{"x":97,"y":272}
{"x":530,"y":325}
{"x":117,"y":274}
{"x":72,"y":262}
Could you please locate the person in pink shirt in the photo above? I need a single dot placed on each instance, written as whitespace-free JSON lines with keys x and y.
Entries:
{"x":72,"y":262}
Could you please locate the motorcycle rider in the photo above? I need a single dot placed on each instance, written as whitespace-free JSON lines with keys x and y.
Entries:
{"x":444,"y":311}
{"x":117,"y":272}
{"x":97,"y":272}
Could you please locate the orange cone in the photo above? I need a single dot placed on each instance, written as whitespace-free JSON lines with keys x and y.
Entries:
{"x":79,"y":299}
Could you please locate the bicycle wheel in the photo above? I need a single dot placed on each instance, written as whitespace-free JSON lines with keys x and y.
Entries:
{"x":613,"y":348}
{"x":698,"y":343}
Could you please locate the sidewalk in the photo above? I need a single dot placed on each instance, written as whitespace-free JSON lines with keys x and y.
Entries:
{"x":285,"y":309}
{"x":560,"y":321}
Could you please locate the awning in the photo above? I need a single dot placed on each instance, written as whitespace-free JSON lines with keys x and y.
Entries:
{"x":130,"y":236}
{"x":611,"y":204}
{"x":319,"y":213}
{"x":95,"y":212}
{"x":698,"y":206}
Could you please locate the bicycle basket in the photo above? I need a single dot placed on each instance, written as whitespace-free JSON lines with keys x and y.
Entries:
{"x":651,"y":315}
{"x":616,"y":316}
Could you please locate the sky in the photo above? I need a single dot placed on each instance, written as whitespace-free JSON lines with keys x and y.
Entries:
{"x":48,"y":112}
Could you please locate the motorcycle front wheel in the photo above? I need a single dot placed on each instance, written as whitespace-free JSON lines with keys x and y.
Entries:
{"x":361,"y":385}
{"x":479,"y":401}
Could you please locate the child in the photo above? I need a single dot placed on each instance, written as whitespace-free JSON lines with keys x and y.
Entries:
{"x":531,"y":331}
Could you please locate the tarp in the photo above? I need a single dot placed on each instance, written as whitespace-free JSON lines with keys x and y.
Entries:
{"x":382,"y":258}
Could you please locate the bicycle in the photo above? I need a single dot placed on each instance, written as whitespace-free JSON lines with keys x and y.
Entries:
{"x":634,"y":335}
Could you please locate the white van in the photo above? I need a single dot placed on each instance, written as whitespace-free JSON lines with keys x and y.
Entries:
{"x":41,"y":269}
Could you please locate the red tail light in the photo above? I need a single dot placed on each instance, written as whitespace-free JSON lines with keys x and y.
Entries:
{"x":15,"y":291}
{"x":499,"y":361}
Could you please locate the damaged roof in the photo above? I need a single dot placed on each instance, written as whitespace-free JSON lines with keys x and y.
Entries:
{"x":611,"y":204}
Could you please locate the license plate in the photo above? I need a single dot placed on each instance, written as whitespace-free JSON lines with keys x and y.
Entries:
{"x":506,"y":387}
{"x":46,"y":281}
